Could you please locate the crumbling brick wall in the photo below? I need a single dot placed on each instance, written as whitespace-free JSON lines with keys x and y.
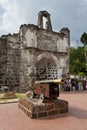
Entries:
{"x":3,"y":58}
{"x":9,"y":62}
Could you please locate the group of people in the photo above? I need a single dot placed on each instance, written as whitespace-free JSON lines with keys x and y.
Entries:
{"x":74,"y":83}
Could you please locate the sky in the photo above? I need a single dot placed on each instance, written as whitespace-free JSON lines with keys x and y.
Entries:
{"x":64,"y":13}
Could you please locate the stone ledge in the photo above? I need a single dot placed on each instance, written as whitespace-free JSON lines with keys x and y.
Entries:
{"x":36,"y":109}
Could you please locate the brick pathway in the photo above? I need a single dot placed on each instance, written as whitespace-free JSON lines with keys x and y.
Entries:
{"x":12,"y":118}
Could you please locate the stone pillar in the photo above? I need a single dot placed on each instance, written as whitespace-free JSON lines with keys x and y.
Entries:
{"x":40,"y":21}
{"x":31,"y":77}
{"x":49,"y":26}
{"x":66,"y":31}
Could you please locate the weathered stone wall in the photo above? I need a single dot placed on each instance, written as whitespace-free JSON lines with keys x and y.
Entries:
{"x":35,"y":54}
{"x":40,"y":48}
{"x":3,"y":58}
{"x":9,"y":62}
{"x":32,"y":36}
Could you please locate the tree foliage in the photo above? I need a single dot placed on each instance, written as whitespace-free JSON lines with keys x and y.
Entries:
{"x":83,"y":38}
{"x":8,"y":35}
{"x":77,"y":60}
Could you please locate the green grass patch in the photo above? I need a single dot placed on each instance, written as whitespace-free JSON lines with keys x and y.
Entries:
{"x":18,"y":96}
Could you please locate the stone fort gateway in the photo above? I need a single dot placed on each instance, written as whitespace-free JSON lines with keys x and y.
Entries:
{"x":36,"y":53}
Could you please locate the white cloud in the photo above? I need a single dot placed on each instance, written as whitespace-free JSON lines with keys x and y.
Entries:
{"x":70,"y":13}
{"x":10,"y":18}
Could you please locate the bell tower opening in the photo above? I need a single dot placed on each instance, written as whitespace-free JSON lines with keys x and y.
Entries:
{"x":44,"y":21}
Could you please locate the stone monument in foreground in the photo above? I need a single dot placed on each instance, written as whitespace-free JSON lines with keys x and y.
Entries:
{"x":44,"y":58}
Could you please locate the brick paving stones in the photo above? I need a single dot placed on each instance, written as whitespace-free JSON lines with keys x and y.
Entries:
{"x":12,"y":118}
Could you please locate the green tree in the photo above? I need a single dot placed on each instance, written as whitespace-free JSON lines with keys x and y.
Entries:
{"x":77,"y":60}
{"x":9,"y":34}
{"x":6,"y":36}
{"x":83,"y":39}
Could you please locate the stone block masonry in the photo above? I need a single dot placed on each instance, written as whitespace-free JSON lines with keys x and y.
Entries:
{"x":9,"y":62}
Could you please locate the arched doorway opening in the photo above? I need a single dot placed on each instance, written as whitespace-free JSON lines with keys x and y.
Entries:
{"x":46,"y":68}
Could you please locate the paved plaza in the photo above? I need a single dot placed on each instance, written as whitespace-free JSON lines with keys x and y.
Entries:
{"x":12,"y":118}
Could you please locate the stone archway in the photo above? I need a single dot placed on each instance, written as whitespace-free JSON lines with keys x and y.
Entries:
{"x":46,"y":67}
